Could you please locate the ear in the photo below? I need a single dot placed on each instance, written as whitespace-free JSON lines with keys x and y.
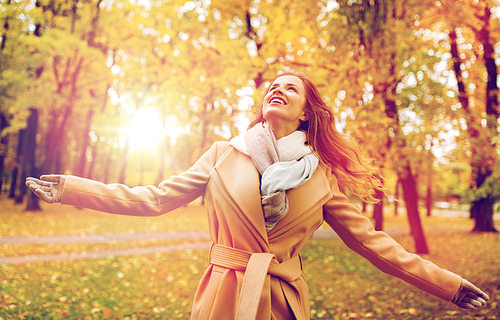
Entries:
{"x":303,"y":117}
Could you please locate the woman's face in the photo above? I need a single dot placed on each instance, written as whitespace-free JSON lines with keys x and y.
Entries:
{"x":284,"y":102}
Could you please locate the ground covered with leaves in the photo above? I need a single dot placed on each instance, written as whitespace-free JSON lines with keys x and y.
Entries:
{"x":162,"y":286}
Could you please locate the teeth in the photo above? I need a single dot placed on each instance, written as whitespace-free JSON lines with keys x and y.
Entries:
{"x":277,"y":101}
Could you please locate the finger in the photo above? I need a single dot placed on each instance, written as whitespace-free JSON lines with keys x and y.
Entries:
{"x":42,"y":195}
{"x":55,"y":178}
{"x":33,"y":180}
{"x":481,"y":301}
{"x":38,"y":182}
{"x":33,"y":186}
{"x":30,"y":183}
{"x":475,"y":290}
{"x":467,"y":305}
{"x":476,"y":303}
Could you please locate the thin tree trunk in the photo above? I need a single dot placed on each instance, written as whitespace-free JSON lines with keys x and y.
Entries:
{"x":428,"y":198}
{"x":90,"y":170}
{"x":15,"y":191}
{"x":378,"y":211}
{"x":13,"y":183}
{"x":405,"y":174}
{"x":141,"y":173}
{"x":84,"y":143}
{"x":411,"y":198}
{"x":396,"y":198}
{"x":29,"y":163}
{"x":3,"y":148}
{"x":123,"y":167}
{"x":107,"y":166}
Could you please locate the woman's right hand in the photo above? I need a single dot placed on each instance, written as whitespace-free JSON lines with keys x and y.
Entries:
{"x":49,"y":188}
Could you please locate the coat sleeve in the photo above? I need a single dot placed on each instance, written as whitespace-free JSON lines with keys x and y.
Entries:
{"x":144,"y":200}
{"x":357,"y":232}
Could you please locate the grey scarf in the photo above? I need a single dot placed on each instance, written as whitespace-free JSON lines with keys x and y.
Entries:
{"x":295,"y":166}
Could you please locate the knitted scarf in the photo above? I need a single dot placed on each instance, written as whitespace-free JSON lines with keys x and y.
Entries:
{"x":283,"y":164}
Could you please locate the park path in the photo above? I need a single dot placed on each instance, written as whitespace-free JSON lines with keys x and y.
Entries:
{"x":323,"y":233}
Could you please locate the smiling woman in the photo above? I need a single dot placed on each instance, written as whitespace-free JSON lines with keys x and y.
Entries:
{"x":145,"y":130}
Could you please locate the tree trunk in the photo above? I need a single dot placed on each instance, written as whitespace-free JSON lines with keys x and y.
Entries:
{"x":3,"y":148}
{"x":411,"y":198}
{"x":55,"y":141}
{"x":378,"y":208}
{"x":428,"y":198}
{"x":396,"y":198}
{"x":142,"y":169}
{"x":90,"y":171}
{"x":484,"y":208}
{"x":29,"y":163}
{"x":13,"y":183}
{"x":378,"y":211}
{"x":107,"y":166}
{"x":84,"y":143}
{"x":19,"y":195}
{"x":123,"y":167}
{"x":163,"y":150}
{"x":482,"y":160}
{"x":15,"y":171}
{"x":405,"y":174}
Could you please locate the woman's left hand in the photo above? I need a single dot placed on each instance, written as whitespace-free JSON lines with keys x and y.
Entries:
{"x":469,"y":296}
{"x":49,"y":188}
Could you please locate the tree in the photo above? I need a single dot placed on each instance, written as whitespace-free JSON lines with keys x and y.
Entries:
{"x":481,"y":124}
{"x":382,"y":56}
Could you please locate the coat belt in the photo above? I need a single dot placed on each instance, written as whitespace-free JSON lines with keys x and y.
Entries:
{"x":256,"y":267}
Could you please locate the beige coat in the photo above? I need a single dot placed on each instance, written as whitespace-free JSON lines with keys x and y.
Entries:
{"x":230,"y":183}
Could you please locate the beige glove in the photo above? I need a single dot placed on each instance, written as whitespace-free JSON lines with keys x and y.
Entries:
{"x":469,"y":296}
{"x":49,"y":188}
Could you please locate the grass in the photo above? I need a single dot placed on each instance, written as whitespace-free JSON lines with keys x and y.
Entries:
{"x":162,"y":286}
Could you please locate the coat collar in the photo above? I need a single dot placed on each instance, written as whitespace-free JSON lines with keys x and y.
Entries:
{"x":292,"y":147}
{"x":241,"y":180}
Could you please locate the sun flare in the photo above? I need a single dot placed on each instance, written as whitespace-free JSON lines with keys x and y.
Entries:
{"x":145,"y":130}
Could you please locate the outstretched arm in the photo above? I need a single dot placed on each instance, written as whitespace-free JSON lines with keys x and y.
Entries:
{"x":387,"y":255}
{"x":49,"y":188}
{"x":170,"y":194}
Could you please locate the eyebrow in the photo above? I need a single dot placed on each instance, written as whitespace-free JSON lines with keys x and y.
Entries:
{"x":288,"y":84}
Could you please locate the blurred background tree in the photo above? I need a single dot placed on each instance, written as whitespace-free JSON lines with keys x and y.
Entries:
{"x":132,"y":92}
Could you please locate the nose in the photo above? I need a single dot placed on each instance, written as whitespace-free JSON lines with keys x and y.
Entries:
{"x":277,"y":90}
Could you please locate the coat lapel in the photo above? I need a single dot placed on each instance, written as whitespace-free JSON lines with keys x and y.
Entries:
{"x":241,"y":181}
{"x":306,"y":198}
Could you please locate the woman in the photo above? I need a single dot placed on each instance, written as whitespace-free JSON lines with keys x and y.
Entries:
{"x":267,"y":191}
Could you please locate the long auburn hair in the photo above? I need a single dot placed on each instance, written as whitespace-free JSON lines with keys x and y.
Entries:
{"x":337,"y":150}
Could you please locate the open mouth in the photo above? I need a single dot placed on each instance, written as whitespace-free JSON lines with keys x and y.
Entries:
{"x":277,"y":100}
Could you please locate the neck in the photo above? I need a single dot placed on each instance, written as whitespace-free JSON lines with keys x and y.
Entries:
{"x":281,"y":131}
